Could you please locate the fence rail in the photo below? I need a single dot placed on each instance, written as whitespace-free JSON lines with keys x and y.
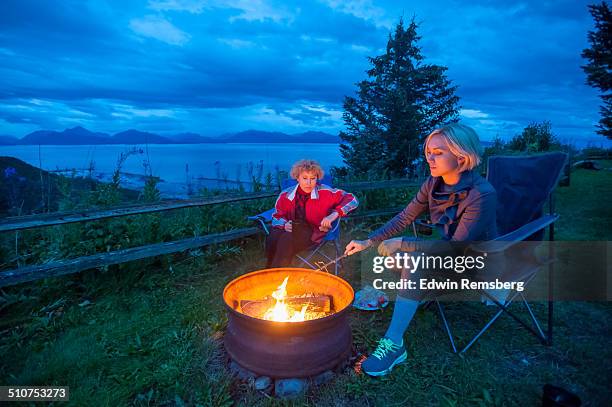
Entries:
{"x":70,"y":266}
{"x":62,"y":218}
{"x":59,"y":268}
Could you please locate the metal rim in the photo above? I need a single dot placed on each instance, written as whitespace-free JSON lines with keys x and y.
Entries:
{"x":335,"y":315}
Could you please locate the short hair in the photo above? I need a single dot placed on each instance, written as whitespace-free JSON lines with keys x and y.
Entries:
{"x":462,"y":141}
{"x":306,"y":165}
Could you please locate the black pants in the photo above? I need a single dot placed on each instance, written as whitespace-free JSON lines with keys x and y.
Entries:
{"x":281,"y":246}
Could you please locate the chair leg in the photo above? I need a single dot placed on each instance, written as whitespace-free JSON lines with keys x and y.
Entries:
{"x":338,"y":263}
{"x":446,"y":327}
{"x":511,"y":314}
{"x":305,"y":261}
{"x":501,"y":310}
{"x":483,"y":330}
{"x":533,"y":318}
{"x":551,"y":273}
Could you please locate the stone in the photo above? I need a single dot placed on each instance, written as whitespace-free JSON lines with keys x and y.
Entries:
{"x":242,"y":373}
{"x":323,"y":378}
{"x":263,"y":383}
{"x":290,"y":388}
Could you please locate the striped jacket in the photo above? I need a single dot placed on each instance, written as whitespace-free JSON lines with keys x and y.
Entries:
{"x":323,"y":201}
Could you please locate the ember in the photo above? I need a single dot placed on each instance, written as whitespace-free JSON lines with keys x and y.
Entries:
{"x":280,"y":312}
{"x":283,"y":308}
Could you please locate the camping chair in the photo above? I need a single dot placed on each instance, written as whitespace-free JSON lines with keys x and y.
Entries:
{"x":264,"y":219}
{"x":523,"y":185}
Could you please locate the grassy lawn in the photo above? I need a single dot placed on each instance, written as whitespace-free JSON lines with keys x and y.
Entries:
{"x":151,"y":334}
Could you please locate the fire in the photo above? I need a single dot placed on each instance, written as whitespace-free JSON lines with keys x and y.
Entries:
{"x":280,"y":312}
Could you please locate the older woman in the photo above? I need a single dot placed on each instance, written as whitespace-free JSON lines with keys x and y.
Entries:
{"x":304,"y":213}
{"x":459,"y":201}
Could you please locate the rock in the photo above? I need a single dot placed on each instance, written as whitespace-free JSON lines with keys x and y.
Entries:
{"x":323,"y":378}
{"x":290,"y":388}
{"x":263,"y":383}
{"x":242,"y":373}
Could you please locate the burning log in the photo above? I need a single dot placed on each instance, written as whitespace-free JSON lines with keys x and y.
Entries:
{"x":296,"y":348}
{"x":315,"y":302}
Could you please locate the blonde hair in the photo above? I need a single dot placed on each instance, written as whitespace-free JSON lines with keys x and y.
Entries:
{"x":306,"y":165}
{"x":462,"y":141}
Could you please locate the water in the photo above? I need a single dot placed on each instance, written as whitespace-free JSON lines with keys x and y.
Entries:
{"x":177,"y":164}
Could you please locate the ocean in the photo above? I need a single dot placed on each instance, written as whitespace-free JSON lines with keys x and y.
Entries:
{"x":181,"y":167}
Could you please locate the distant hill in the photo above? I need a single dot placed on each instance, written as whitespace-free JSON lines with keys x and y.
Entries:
{"x":318,"y":137}
{"x":73,"y":136}
{"x":258,"y":136}
{"x":82,"y":136}
{"x":139,"y":137}
{"x":21,"y":192}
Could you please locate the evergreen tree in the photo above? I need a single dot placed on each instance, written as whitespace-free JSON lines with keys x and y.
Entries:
{"x":599,"y":68}
{"x":402,"y":100}
{"x":536,"y":137}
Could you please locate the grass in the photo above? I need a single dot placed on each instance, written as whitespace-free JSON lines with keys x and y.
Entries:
{"x":150,"y":333}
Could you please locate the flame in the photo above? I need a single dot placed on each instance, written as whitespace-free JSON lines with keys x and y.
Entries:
{"x":280,"y":312}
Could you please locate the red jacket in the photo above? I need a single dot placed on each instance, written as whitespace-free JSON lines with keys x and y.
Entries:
{"x":323,"y":201}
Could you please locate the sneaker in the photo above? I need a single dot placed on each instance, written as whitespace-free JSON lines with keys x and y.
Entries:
{"x":384,"y":358}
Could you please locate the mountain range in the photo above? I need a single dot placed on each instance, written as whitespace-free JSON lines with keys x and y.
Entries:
{"x":81,"y":136}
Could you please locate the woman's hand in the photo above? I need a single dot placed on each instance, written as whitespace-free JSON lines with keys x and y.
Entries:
{"x":355,"y":246}
{"x":289,"y":226}
{"x":390,"y":246}
{"x":326,"y":223}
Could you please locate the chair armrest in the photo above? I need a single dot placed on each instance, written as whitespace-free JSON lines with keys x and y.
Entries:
{"x":334,"y":232}
{"x":264,"y":216}
{"x":502,"y":243}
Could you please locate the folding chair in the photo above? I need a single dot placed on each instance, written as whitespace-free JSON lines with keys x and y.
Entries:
{"x":307,"y":257}
{"x":524,"y":184}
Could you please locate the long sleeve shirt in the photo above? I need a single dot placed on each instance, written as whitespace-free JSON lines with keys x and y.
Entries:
{"x":464,"y":212}
{"x":323,"y":201}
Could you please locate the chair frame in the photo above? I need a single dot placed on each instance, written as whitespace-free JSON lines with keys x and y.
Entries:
{"x":500,"y":244}
{"x":333,"y":235}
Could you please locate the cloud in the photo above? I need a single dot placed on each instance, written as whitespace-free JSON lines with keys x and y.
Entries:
{"x":237,"y":43}
{"x":473,"y":114}
{"x":160,"y":29}
{"x":362,"y":9}
{"x":216,"y":66}
{"x":248,"y":10}
{"x":191,"y":6}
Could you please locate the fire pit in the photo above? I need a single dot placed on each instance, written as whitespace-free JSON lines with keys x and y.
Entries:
{"x":288,"y":322}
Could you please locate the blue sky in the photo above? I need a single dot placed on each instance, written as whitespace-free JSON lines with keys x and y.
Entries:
{"x":212,"y":67}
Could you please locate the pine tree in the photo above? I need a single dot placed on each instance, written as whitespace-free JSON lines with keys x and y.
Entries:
{"x":536,"y":137}
{"x":599,"y":68}
{"x":401,"y":101}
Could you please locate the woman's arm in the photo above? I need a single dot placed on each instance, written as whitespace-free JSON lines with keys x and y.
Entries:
{"x":417,"y":206}
{"x":280,"y":216}
{"x":344,"y":202}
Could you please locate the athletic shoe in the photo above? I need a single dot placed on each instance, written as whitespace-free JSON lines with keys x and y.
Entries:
{"x":384,"y":358}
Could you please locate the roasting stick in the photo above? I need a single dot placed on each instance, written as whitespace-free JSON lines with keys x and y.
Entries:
{"x":332,"y":262}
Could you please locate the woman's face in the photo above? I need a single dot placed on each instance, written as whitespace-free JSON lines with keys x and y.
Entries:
{"x":307,"y":181}
{"x":440,"y":159}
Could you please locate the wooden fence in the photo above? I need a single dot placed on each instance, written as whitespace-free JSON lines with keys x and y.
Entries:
{"x":62,"y":267}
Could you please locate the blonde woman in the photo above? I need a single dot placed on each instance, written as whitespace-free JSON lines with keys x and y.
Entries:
{"x":460,"y":202}
{"x":304,"y":213}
